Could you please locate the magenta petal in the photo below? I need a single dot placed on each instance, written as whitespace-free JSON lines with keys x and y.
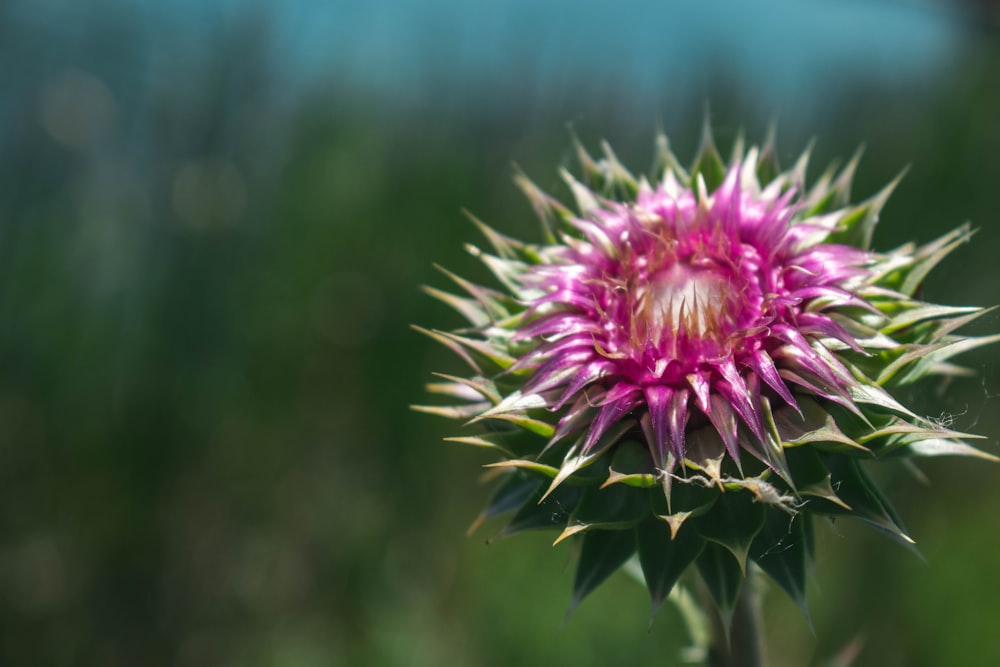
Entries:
{"x":619,"y":401}
{"x":658,"y":400}
{"x":816,"y":323}
{"x":724,"y":420}
{"x":556,"y":324}
{"x":563,"y":296}
{"x":590,"y":373}
{"x":550,"y":350}
{"x":840,"y":297}
{"x":821,"y":388}
{"x":763,"y":366}
{"x":699,"y":384}
{"x":577,"y":418}
{"x":676,"y":422}
{"x":736,"y":391}
{"x":802,"y":352}
{"x":553,"y":372}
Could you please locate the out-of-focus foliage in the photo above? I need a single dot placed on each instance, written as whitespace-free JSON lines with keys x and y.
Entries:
{"x":206,"y":277}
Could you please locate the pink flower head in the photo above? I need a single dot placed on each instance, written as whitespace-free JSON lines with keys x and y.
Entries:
{"x":691,"y":306}
{"x":670,"y":326}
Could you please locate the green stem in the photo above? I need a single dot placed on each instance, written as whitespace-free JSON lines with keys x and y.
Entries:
{"x":745,"y":647}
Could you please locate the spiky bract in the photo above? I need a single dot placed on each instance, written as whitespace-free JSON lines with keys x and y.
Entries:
{"x":691,"y":367}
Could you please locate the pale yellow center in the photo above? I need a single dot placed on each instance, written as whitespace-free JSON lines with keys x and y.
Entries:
{"x":688,"y":298}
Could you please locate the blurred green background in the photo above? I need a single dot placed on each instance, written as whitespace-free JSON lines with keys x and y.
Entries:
{"x":214,"y":219}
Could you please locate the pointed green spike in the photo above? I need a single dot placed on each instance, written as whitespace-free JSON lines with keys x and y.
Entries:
{"x":932,"y":254}
{"x":943,"y":447}
{"x":601,"y":553}
{"x":529,"y":466}
{"x":841,"y":188}
{"x":485,"y":388}
{"x":708,"y":163}
{"x":479,"y":441}
{"x":724,"y":579}
{"x":470,"y":309}
{"x":550,"y":212}
{"x":733,"y":522}
{"x":664,"y":558}
{"x":505,"y":246}
{"x":631,"y":465}
{"x":592,"y":174}
{"x":542,"y":514}
{"x":767,"y":162}
{"x":622,"y":183}
{"x":857,"y":226}
{"x":616,"y":507}
{"x":867,"y":503}
{"x":665,"y":162}
{"x":780,"y":549}
{"x":738,"y":152}
{"x":515,"y":491}
{"x":812,"y":476}
{"x":586,"y":200}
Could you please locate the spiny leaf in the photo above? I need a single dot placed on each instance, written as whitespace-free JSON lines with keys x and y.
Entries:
{"x":780,"y":549}
{"x":485,"y":388}
{"x":536,"y":426}
{"x":479,"y":354}
{"x":507,"y":271}
{"x":724,"y":578}
{"x":460,"y":412}
{"x":586,"y":201}
{"x":841,"y":188}
{"x":593,"y":176}
{"x":931,"y":254}
{"x":512,"y":494}
{"x":664,"y":558}
{"x":911,"y":316}
{"x":816,"y":427}
{"x":631,"y":465}
{"x":622,"y":183}
{"x":768,"y":167}
{"x":575,"y":461}
{"x":689,"y":496}
{"x":516,"y":402}
{"x":470,"y":309}
{"x":871,"y":394}
{"x":867,"y":503}
{"x":665,"y":162}
{"x":489,"y":299}
{"x":602,"y":552}
{"x":547,"y":513}
{"x":858,"y":225}
{"x":530,"y":466}
{"x":505,"y":246}
{"x":708,"y":163}
{"x":733,"y":522}
{"x":607,"y":508}
{"x":931,"y":362}
{"x":770,"y":452}
{"x":910,"y":354}
{"x":549,"y":210}
{"x":480,"y":441}
{"x":943,"y":447}
{"x":812,"y":476}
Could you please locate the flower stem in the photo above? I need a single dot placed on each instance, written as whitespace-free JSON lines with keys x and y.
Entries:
{"x":745,"y":645}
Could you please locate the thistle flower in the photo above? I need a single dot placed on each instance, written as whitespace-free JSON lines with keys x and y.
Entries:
{"x":692,"y":367}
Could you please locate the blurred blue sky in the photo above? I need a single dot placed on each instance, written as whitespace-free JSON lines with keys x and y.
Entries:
{"x":782,"y":49}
